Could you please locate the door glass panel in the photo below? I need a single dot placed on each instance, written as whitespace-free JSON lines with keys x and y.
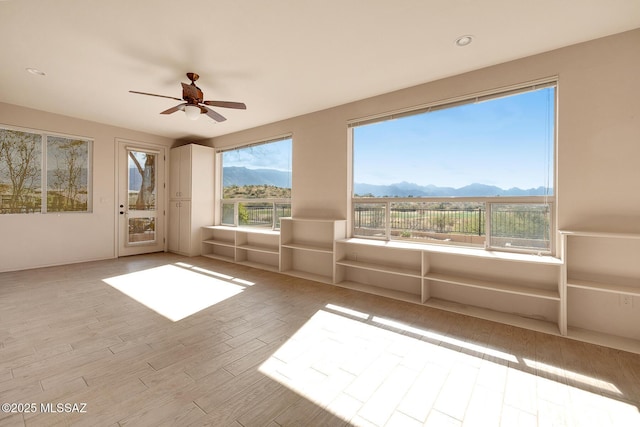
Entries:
{"x":142,"y":181}
{"x":141,"y":188}
{"x":142,"y":230}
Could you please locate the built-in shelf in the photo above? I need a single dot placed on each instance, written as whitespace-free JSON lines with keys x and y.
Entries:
{"x":603,"y":287}
{"x":219,"y":243}
{"x":384,"y":292}
{"x":495,"y":316}
{"x":437,"y":275}
{"x":219,"y":257}
{"x":309,"y":247}
{"x":309,"y":276}
{"x":495,"y":286}
{"x":524,"y":290}
{"x":303,"y":247}
{"x":382,"y":268}
{"x":255,"y":247}
{"x":600,"y":264}
{"x":400,"y":271}
{"x":258,"y":265}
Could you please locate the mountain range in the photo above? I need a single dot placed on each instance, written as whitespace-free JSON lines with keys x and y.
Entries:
{"x":408,"y":189}
{"x":234,"y":175}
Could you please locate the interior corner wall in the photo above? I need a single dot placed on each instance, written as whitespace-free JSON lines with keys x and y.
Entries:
{"x":37,"y":240}
{"x":598,"y":130}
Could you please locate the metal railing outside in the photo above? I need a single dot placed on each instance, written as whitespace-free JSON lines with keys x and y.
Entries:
{"x":255,"y":213}
{"x":520,"y":225}
{"x":439,"y":221}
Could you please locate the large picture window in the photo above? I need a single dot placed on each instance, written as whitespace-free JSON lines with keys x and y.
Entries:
{"x":476,"y":171}
{"x":256,"y":183}
{"x":42,"y":173}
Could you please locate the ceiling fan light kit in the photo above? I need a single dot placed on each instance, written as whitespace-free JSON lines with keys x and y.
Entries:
{"x":195,"y":105}
{"x":192,"y":112}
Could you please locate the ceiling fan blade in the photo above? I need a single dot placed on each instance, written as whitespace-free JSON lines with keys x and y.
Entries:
{"x":227,"y":104}
{"x":153,"y":94}
{"x":215,"y":116}
{"x":174,"y":109}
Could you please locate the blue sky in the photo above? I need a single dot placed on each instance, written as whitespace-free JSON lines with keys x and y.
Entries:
{"x":274,"y":155}
{"x":506,"y":142}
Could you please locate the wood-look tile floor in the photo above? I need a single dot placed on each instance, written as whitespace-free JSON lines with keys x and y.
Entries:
{"x":167,"y":340}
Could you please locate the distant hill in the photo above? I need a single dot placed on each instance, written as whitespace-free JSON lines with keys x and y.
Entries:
{"x":241,"y":176}
{"x":234,"y":175}
{"x":408,"y":189}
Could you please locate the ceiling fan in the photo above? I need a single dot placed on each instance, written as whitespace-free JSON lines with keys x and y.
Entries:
{"x":194,"y":105}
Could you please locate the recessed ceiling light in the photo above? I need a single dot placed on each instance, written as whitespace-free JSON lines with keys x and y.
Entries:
{"x":464,"y":41}
{"x":35,"y":71}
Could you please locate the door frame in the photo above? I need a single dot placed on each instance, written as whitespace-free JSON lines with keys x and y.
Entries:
{"x":161,"y":188}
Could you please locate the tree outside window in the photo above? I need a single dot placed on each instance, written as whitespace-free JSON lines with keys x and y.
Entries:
{"x":42,"y":173}
{"x":20,"y":171}
{"x":67,"y":174}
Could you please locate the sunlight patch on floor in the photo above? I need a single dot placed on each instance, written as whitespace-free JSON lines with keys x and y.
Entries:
{"x":370,"y":370}
{"x":452,"y":341}
{"x":176,"y":291}
{"x":349,"y":311}
{"x":593,"y":382}
{"x":213,"y":273}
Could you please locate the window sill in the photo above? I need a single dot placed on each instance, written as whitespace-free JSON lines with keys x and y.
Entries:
{"x":457,"y":250}
{"x":246,"y":229}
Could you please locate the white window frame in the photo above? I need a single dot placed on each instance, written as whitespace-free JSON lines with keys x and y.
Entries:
{"x":43,"y":167}
{"x":550,"y":200}
{"x":237,"y":202}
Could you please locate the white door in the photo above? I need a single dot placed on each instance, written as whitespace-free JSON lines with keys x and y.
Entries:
{"x":141,"y":192}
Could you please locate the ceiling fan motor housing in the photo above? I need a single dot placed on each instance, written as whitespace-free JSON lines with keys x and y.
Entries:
{"x":192,"y":93}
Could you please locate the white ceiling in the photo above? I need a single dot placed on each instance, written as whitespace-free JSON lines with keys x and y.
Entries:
{"x":283,"y":58}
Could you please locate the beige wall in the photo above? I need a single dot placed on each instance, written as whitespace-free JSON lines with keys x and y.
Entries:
{"x":28,"y":241}
{"x":598,"y":132}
